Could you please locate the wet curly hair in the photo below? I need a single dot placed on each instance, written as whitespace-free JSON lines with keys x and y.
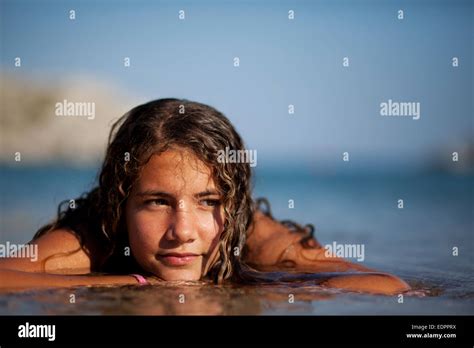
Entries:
{"x":150,"y":129}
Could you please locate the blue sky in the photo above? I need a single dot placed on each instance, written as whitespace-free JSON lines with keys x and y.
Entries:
{"x":282,"y":62}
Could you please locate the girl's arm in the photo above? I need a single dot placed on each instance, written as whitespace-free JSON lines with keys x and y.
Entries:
{"x":68,"y":266}
{"x":272,"y":246}
{"x":17,"y":279}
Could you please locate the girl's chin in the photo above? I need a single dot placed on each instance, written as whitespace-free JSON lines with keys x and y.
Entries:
{"x":177,"y":275}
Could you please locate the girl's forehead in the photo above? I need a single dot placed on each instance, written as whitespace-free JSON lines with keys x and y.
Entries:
{"x":177,"y":169}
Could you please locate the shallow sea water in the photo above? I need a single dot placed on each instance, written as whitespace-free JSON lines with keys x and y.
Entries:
{"x":208,"y":299}
{"x":415,"y":243}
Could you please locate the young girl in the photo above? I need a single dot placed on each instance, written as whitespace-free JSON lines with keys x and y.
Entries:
{"x":166,"y":209}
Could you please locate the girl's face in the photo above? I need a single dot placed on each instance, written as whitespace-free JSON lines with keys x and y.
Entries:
{"x":175,"y":217}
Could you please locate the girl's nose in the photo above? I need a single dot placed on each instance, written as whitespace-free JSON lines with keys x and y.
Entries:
{"x":183,"y":228}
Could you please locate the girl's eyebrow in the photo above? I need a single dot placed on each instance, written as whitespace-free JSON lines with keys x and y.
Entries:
{"x":170,"y":196}
{"x":206,"y":193}
{"x":155,"y":193}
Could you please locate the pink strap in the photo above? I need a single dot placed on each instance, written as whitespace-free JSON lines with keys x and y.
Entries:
{"x":141,"y":279}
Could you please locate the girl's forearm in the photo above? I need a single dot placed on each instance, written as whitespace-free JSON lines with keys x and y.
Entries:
{"x":19,"y":279}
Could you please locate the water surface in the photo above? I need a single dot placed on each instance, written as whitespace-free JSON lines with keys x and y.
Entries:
{"x":416,"y":243}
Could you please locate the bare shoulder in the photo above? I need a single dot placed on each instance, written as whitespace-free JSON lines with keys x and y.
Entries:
{"x":58,"y":251}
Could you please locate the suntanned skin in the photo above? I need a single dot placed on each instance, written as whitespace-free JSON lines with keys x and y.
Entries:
{"x":267,"y":241}
{"x":271,"y":246}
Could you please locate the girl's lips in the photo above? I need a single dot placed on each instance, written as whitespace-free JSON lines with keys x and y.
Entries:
{"x":175,"y":259}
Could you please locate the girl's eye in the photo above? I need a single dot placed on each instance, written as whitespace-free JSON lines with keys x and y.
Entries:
{"x":158,"y":201}
{"x":211,"y":202}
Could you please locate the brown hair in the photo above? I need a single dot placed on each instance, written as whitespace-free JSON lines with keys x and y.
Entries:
{"x":149,"y":129}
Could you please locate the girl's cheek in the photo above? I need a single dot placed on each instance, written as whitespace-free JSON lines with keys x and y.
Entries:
{"x":210,"y":223}
{"x":146,"y":229}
